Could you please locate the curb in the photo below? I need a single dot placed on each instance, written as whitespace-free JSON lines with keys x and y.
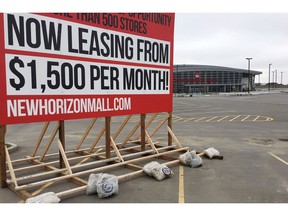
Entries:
{"x":11,"y":147}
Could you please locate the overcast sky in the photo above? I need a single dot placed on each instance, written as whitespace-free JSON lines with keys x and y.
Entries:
{"x":227,"y":39}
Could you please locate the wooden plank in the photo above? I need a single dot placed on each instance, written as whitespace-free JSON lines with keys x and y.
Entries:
{"x":147,"y":125}
{"x":121,"y":127}
{"x":174,"y":137}
{"x":3,"y":176}
{"x":50,"y":141}
{"x":116,"y":150}
{"x":121,"y":178}
{"x":159,"y":125}
{"x":170,"y":126}
{"x":98,"y":169}
{"x":99,"y":135}
{"x":131,"y":134}
{"x":64,"y":158}
{"x":133,"y":166}
{"x":86,"y":133}
{"x":61,"y":133}
{"x":87,"y":157}
{"x":143,"y":134}
{"x":151,"y":143}
{"x":11,"y":170}
{"x":108,"y":136}
{"x":45,"y":127}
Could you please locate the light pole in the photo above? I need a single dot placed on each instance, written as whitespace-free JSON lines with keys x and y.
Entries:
{"x":275,"y":79}
{"x":281,"y":78}
{"x":269,"y":78}
{"x":248,"y":74}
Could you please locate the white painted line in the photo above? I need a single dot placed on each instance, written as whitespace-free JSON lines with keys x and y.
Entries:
{"x":245,"y":118}
{"x":211,"y":119}
{"x":222,"y":118}
{"x":199,"y":119}
{"x":278,"y":158}
{"x":234,"y":118}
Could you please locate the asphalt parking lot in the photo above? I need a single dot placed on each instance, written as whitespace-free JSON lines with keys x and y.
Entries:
{"x":249,"y":131}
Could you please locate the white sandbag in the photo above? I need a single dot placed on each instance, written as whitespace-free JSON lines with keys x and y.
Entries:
{"x":162,"y":171}
{"x":49,"y":197}
{"x":195,"y":162}
{"x":149,"y":166}
{"x":103,"y":184}
{"x":185,"y":158}
{"x":107,"y":185}
{"x":92,"y":184}
{"x":211,"y":152}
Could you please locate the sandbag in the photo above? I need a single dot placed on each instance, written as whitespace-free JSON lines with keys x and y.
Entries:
{"x":92,"y":184}
{"x":196,"y":160}
{"x":211,"y":152}
{"x":191,"y":159}
{"x":162,"y":171}
{"x":149,"y":166}
{"x":49,"y":197}
{"x":185,"y":158}
{"x":103,"y":184}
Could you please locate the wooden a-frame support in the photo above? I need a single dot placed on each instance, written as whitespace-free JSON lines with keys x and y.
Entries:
{"x":87,"y":160}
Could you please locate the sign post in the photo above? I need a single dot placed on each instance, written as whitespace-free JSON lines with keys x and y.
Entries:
{"x":2,"y":156}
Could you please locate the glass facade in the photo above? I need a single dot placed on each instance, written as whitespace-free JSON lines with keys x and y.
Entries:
{"x":203,"y":79}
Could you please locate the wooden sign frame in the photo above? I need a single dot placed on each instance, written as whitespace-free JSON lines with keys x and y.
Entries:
{"x":72,"y":165}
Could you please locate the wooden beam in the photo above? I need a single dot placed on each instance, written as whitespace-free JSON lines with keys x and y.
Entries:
{"x":116,"y":150}
{"x":3,"y":176}
{"x":100,"y":134}
{"x":86,"y":133}
{"x":61,"y":133}
{"x":98,"y":169}
{"x":174,"y":137}
{"x":147,"y":124}
{"x":108,"y":136}
{"x":121,"y":127}
{"x":64,"y":158}
{"x":45,"y":127}
{"x":50,"y":141}
{"x":143,"y":140}
{"x":11,"y":170}
{"x":159,"y":125}
{"x":131,"y":134}
{"x":151,"y":143}
{"x":170,"y":126}
{"x":121,"y":178}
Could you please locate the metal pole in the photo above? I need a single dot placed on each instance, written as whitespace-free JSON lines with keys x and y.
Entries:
{"x":269,"y":78}
{"x":248,"y":74}
{"x":281,"y":78}
{"x":275,"y":79}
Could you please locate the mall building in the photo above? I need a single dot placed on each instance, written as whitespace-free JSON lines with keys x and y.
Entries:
{"x":207,"y":79}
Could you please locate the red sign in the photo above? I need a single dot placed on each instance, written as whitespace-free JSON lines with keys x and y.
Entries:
{"x":82,"y":65}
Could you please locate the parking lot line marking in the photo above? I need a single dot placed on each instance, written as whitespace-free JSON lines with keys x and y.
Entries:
{"x":199,"y":119}
{"x":222,"y":118}
{"x":278,"y":158}
{"x":256,"y":118}
{"x":245,"y":118}
{"x":181,"y":198}
{"x":188,"y":119}
{"x":234,"y":118}
{"x":212,"y":118}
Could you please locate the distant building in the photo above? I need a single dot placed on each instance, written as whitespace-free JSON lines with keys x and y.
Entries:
{"x":207,"y":78}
